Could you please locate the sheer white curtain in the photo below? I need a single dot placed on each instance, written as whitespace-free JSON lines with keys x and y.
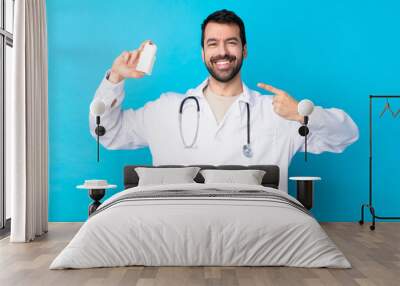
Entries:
{"x":26,"y":124}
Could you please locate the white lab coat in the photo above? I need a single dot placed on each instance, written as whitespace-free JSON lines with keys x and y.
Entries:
{"x":274,"y":140}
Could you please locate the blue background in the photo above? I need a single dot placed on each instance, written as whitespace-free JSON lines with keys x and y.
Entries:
{"x":336,"y":53}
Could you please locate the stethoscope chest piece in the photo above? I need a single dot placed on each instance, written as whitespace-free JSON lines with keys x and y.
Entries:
{"x":247,"y":151}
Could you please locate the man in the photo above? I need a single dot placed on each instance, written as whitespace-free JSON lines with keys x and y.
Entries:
{"x":223,"y":100}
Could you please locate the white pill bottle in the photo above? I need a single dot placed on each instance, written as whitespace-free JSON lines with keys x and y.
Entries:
{"x":147,"y":58}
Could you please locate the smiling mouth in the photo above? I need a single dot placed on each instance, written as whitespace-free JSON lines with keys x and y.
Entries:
{"x":222,"y":64}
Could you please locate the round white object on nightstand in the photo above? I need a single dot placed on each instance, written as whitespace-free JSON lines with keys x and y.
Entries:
{"x":305,"y":178}
{"x":96,"y":184}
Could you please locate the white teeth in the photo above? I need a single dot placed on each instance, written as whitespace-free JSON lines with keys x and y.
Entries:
{"x":222,"y":62}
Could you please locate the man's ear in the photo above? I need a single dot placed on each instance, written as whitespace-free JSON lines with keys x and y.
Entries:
{"x":202,"y":54}
{"x":245,"y":51}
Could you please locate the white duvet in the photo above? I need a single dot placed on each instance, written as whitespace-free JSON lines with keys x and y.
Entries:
{"x":200,"y":231}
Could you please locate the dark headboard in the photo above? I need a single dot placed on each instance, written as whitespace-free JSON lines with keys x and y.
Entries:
{"x":270,"y":179}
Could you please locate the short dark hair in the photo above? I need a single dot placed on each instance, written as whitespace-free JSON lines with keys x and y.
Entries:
{"x":224,"y":17}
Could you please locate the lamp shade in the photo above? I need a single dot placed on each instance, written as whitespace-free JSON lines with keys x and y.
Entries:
{"x":97,"y":107}
{"x":305,"y":107}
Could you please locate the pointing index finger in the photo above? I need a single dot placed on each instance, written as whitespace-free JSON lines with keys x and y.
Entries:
{"x":270,"y":88}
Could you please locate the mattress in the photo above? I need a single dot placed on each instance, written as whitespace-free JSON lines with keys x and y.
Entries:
{"x":201,"y":225}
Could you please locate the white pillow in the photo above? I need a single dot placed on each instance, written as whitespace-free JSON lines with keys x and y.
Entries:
{"x":249,"y":177}
{"x":162,"y":176}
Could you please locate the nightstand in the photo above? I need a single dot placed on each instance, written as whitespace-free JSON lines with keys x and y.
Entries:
{"x":305,"y":186}
{"x":97,"y":190}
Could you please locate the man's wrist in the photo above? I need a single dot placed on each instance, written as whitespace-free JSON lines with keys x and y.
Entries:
{"x":114,"y":77}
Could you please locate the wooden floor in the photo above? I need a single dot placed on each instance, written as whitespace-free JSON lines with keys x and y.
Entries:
{"x":374,"y":255}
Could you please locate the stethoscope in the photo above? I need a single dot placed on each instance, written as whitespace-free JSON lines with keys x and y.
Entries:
{"x":247,"y":150}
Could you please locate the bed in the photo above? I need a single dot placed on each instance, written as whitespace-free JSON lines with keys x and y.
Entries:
{"x":201,"y":224}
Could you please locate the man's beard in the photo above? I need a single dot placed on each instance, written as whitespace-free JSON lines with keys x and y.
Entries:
{"x":226,"y":77}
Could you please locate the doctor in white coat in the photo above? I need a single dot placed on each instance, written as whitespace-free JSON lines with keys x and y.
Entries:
{"x":223,"y":99}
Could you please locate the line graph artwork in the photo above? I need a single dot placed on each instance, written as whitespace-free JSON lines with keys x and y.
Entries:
{"x":387,"y":107}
